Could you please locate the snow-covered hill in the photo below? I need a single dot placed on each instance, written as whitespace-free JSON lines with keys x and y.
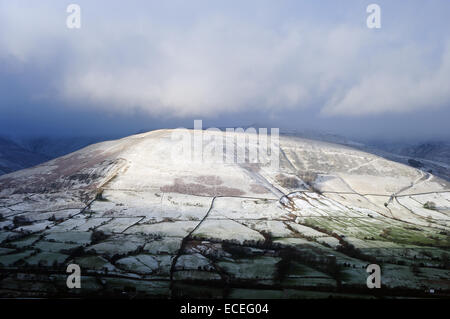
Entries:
{"x":141,"y":218}
{"x":429,"y":157}
{"x":433,"y":151}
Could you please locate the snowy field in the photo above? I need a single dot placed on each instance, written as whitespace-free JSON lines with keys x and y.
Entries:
{"x":139,"y":223}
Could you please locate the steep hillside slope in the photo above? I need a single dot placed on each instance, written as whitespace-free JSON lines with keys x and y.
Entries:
{"x":429,"y":157}
{"x":140,"y":218}
{"x":56,"y":147}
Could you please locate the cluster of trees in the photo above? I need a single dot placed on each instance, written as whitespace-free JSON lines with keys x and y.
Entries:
{"x":288,"y":181}
{"x":309,"y":178}
{"x":429,"y":205}
{"x":289,"y":255}
{"x":97,"y":236}
{"x":21,"y":221}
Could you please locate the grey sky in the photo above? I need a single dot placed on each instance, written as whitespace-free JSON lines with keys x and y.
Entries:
{"x":300,"y":64}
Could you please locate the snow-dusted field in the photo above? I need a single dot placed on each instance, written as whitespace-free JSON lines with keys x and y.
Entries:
{"x":140,"y":220}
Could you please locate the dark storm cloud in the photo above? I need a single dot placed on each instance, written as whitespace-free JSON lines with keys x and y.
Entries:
{"x":141,"y":64}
